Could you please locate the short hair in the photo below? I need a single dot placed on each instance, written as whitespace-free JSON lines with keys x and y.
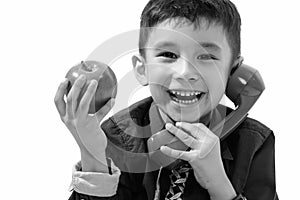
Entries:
{"x":221,"y":12}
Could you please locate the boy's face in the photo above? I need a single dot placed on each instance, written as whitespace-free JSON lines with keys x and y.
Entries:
{"x":186,"y":69}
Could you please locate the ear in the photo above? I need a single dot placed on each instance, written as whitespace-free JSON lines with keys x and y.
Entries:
{"x":139,"y":68}
{"x":237,"y":62}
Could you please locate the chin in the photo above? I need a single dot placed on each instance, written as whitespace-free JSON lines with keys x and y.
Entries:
{"x":185,"y":117}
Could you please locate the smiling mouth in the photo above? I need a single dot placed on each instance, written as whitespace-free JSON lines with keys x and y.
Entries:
{"x":185,"y":97}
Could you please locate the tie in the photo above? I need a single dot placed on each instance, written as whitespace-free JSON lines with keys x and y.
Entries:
{"x":178,"y":178}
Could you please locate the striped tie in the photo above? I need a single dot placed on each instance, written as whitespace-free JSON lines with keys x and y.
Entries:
{"x":178,"y":178}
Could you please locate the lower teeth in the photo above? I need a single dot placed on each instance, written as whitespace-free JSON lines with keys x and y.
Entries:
{"x":185,"y":101}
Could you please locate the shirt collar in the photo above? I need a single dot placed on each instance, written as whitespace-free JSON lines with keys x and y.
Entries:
{"x":157,"y":124}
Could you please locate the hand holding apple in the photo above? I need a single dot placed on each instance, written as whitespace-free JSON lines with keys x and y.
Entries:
{"x":107,"y":82}
{"x":87,"y":87}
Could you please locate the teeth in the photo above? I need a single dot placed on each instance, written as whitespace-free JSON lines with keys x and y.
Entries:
{"x":185,"y":101}
{"x":185,"y":93}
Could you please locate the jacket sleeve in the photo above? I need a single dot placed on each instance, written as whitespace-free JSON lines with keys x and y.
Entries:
{"x":95,"y":186}
{"x":122,"y":194}
{"x":95,"y":183}
{"x":261,"y":179}
{"x":114,"y":186}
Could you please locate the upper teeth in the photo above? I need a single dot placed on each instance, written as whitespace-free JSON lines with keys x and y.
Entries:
{"x":182,"y":93}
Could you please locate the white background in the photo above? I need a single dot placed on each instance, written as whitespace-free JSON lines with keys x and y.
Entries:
{"x":41,"y":40}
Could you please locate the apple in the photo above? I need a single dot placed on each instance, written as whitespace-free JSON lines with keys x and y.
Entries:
{"x":107,"y":82}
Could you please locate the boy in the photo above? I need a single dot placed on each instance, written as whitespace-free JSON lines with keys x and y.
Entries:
{"x":188,"y":49}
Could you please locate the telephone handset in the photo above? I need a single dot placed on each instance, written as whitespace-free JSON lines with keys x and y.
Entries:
{"x":244,"y":87}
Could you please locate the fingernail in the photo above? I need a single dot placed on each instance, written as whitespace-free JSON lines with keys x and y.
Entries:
{"x":178,"y":124}
{"x":92,"y":81}
{"x":168,"y":125}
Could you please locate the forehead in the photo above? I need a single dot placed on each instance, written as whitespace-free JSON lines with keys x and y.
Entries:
{"x":174,"y":32}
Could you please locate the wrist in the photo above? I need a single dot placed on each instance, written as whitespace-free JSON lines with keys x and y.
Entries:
{"x":92,"y":164}
{"x":222,"y":189}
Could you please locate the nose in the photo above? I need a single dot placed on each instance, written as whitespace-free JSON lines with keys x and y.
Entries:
{"x":185,"y":70}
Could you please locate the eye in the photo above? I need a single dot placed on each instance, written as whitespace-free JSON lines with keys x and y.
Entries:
{"x":168,"y":54}
{"x":207,"y":57}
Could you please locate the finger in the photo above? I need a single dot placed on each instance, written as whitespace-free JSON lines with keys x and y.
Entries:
{"x":101,"y":113}
{"x":85,"y":102}
{"x":186,"y":138}
{"x":184,"y":155}
{"x":203,"y":134}
{"x":76,"y":90}
{"x":59,"y":98}
{"x":197,"y":130}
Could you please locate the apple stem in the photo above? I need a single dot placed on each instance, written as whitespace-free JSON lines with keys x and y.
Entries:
{"x":86,"y":66}
{"x":83,"y":63}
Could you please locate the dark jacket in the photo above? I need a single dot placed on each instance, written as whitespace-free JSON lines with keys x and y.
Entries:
{"x":247,"y":153}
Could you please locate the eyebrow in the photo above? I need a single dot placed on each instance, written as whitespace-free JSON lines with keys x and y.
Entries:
{"x":161,"y":45}
{"x":206,"y":45}
{"x":210,"y":45}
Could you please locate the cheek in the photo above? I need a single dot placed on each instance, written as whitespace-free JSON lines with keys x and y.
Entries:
{"x":158,"y":76}
{"x":159,"y":95}
{"x":157,"y":84}
{"x":216,"y":86}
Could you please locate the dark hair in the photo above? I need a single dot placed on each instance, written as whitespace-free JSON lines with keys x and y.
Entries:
{"x":222,"y":12}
